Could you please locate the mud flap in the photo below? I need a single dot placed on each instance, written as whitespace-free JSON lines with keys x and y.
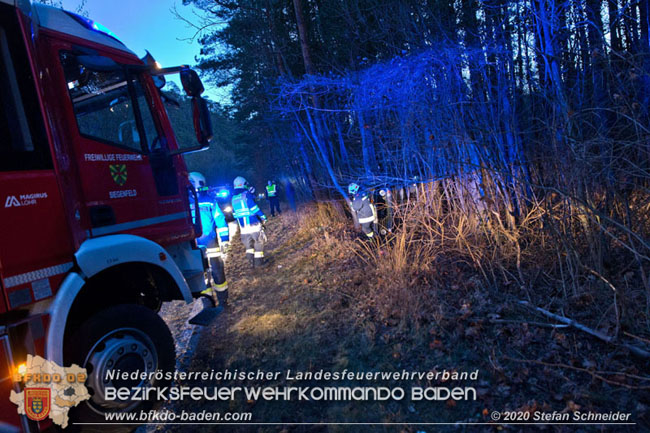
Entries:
{"x":208,"y":312}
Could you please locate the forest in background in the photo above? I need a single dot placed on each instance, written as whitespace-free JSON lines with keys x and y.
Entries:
{"x":387,"y":90}
{"x":524,"y":125}
{"x":225,"y":159}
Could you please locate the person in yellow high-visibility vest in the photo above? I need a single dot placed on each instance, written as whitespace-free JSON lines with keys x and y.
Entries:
{"x":272,"y":197}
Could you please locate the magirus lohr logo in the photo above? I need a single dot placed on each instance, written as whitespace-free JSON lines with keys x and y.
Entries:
{"x":24,"y":199}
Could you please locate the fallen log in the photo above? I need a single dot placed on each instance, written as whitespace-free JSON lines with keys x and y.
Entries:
{"x":600,"y":335}
{"x":521,"y":322}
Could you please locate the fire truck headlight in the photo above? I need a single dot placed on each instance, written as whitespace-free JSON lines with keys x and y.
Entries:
{"x":228,"y":209}
{"x":19,"y":373}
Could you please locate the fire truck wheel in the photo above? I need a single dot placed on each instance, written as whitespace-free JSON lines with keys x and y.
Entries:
{"x":125,"y":339}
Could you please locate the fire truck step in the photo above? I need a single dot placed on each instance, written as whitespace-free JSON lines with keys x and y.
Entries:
{"x":192,"y":273}
{"x":207,"y":314}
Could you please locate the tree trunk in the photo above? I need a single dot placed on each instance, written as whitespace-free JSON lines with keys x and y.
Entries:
{"x":304,"y":41}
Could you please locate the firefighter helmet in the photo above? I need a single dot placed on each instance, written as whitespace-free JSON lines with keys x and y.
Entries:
{"x":197,"y":180}
{"x":239,"y":183}
{"x":353,"y":188}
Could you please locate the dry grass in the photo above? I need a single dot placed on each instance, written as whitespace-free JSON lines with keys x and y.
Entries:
{"x":267,"y":323}
{"x":558,"y":253}
{"x":418,"y":301}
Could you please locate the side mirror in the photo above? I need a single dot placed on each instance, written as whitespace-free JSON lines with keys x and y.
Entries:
{"x":202,"y":122}
{"x":193,"y":87}
{"x":202,"y":126}
{"x":191,"y":82}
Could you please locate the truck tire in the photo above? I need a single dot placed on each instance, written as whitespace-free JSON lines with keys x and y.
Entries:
{"x":126,"y":338}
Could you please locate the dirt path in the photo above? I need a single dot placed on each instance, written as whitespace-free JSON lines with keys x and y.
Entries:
{"x":280,"y":317}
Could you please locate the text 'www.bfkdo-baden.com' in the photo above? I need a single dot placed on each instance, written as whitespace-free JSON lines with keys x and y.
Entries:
{"x":164,"y":416}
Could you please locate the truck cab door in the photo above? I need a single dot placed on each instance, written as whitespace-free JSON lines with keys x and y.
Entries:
{"x":35,"y":245}
{"x":128,"y":178}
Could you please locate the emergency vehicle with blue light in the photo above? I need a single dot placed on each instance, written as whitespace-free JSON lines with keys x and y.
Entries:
{"x":96,"y":228}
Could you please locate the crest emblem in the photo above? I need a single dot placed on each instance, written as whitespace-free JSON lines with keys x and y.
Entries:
{"x":118,"y":173}
{"x":37,"y":403}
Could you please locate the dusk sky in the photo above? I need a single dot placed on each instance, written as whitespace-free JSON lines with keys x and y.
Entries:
{"x":150,"y":25}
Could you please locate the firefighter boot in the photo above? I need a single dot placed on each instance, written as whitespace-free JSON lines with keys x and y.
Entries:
{"x":259,"y":259}
{"x":207,"y":298}
{"x":207,"y":312}
{"x":222,"y":297}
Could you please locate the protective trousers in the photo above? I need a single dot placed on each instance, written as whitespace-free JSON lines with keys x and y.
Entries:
{"x":254,"y":244}
{"x":274,"y":202}
{"x":217,"y":268}
{"x":367,"y":228}
{"x":369,"y":223}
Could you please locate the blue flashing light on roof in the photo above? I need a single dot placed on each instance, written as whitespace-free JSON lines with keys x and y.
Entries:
{"x":223,"y":193}
{"x":94,"y":25}
{"x":102,"y":28}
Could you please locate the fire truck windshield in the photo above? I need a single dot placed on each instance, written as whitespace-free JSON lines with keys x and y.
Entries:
{"x":110,"y":106}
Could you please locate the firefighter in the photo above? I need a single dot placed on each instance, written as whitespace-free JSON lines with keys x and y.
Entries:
{"x":250,"y":219}
{"x":362,"y":210}
{"x":215,"y":237}
{"x":272,"y":197}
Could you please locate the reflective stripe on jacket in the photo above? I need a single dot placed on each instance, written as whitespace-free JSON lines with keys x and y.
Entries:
{"x":246,"y":211}
{"x":211,"y":217}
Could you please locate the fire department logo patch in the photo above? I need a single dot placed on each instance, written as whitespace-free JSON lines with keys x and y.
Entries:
{"x":37,"y":403}
{"x":118,"y":173}
{"x":50,"y":391}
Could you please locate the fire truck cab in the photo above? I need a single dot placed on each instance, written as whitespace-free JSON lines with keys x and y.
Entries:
{"x":96,"y":228}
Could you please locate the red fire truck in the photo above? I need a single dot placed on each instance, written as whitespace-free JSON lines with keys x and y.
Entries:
{"x":96,"y":229}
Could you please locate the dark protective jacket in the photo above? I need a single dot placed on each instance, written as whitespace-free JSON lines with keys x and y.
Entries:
{"x":248,"y":214}
{"x":211,"y":216}
{"x":363,"y":209}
